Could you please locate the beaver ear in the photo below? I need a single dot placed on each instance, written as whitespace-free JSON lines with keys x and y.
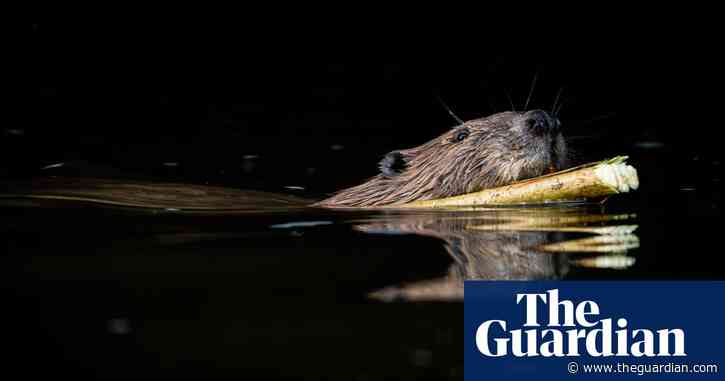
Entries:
{"x":393,"y":164}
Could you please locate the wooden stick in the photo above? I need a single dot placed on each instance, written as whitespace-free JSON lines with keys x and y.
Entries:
{"x":591,"y":180}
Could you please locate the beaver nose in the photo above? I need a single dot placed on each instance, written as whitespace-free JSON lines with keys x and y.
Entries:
{"x":541,"y":121}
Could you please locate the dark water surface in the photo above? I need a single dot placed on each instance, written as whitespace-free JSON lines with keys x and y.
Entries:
{"x":109,"y":292}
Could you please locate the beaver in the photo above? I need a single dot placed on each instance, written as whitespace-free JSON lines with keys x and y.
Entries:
{"x":478,"y":154}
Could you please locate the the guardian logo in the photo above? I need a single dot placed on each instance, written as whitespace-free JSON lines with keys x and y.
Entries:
{"x":579,"y":329}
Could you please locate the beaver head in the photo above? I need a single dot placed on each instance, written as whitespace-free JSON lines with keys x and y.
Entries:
{"x":478,"y":154}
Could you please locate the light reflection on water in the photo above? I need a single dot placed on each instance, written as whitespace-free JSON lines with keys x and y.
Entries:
{"x":504,"y":243}
{"x":210,"y":285}
{"x":511,"y":244}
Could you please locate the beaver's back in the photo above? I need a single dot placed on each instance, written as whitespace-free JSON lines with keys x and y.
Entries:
{"x":146,"y":194}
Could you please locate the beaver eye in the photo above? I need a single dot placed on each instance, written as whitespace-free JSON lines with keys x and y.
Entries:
{"x":461,"y":135}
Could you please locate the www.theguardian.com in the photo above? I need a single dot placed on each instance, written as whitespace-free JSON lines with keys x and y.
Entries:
{"x":640,"y":369}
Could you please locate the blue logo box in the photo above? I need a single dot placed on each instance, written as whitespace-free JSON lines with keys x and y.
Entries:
{"x":556,"y":330}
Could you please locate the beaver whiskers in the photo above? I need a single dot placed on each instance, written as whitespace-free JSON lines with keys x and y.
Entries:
{"x":477,"y":154}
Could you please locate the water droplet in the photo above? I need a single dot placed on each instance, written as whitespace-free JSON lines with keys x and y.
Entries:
{"x":51,"y":166}
{"x":649,"y":145}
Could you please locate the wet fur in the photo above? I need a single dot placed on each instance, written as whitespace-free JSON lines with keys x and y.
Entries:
{"x":498,"y":150}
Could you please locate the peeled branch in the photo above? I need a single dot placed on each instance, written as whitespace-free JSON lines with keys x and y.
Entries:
{"x":593,"y":180}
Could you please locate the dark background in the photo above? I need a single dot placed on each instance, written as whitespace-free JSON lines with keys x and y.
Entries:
{"x":315,"y":100}
{"x":264,"y":103}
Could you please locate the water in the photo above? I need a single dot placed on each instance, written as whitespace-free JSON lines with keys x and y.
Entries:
{"x":108,"y":291}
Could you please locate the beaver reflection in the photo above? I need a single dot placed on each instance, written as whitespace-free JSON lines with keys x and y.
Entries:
{"x":526,"y":244}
